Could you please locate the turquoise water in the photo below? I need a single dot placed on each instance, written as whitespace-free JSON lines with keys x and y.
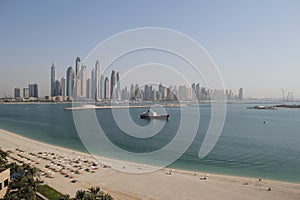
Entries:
{"x":247,"y":146}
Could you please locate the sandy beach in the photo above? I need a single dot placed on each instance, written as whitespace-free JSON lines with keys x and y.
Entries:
{"x":60,"y":166}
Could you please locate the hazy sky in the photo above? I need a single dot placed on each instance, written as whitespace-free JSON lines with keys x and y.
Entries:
{"x":256,"y":44}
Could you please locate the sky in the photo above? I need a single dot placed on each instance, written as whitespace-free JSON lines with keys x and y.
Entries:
{"x":254,"y":43}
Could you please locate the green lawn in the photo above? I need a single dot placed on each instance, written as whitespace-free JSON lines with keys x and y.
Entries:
{"x":49,"y":192}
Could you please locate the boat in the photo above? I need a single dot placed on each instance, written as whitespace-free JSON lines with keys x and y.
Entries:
{"x":153,"y":115}
{"x":83,"y":107}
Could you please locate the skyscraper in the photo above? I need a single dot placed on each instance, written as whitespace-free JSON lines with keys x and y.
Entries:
{"x":170,"y":94}
{"x":77,"y":90}
{"x":137,"y":93}
{"x":198,"y":91}
{"x":124,"y":94}
{"x":53,"y":79}
{"x":102,"y":86}
{"x":203,"y":93}
{"x":33,"y":90}
{"x":112,"y":84}
{"x":93,"y":85}
{"x":58,"y":88}
{"x":160,"y":91}
{"x":165,"y":93}
{"x":63,"y":86}
{"x":97,"y":80}
{"x":77,"y":66}
{"x":118,"y":92}
{"x":147,"y":92}
{"x":182,"y":92}
{"x":70,"y":81}
{"x":25,"y":93}
{"x":194,"y":95}
{"x":17,"y":93}
{"x":77,"y":85}
{"x":131,"y":91}
{"x":83,"y":81}
{"x":88,"y":89}
{"x":240,"y":94}
{"x":106,"y":89}
{"x":154,"y":95}
{"x":194,"y":87}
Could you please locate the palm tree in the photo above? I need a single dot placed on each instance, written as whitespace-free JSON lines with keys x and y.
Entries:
{"x":25,"y":184}
{"x":33,"y":184}
{"x":10,"y":196}
{"x":95,"y":192}
{"x":3,"y":155}
{"x":15,"y":185}
{"x":107,"y":197}
{"x":31,"y":171}
{"x":27,"y":193}
{"x":80,"y":195}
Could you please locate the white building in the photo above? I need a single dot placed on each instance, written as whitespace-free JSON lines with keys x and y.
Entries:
{"x":4,"y":180}
{"x":83,"y":81}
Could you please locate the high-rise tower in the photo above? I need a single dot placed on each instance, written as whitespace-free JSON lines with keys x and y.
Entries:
{"x":77,"y":85}
{"x":102,"y":86}
{"x":63,"y":86}
{"x":83,"y":81}
{"x":97,"y":80}
{"x":33,"y":90}
{"x":93,"y":85}
{"x":198,"y":91}
{"x":70,"y":81}
{"x":112,"y":84}
{"x":106,"y":89}
{"x":118,"y":92}
{"x":53,"y":79}
{"x":58,"y":88}
{"x":17,"y":92}
{"x":77,"y":66}
{"x":88,"y":89}
{"x":240,"y":94}
{"x":26,"y":93}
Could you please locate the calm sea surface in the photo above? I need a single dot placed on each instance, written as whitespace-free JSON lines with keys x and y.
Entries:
{"x":247,"y":146}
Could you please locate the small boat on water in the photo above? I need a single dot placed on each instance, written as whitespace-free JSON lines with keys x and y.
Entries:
{"x":83,"y":107}
{"x":153,"y":115}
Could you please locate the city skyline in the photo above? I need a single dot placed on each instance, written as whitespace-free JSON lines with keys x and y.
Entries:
{"x":99,"y":87}
{"x":254,"y":49}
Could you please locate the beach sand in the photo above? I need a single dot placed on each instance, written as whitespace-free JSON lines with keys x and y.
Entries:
{"x":60,"y":166}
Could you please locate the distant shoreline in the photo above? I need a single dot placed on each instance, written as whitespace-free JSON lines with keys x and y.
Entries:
{"x":274,"y":107}
{"x":292,"y":106}
{"x":145,"y":103}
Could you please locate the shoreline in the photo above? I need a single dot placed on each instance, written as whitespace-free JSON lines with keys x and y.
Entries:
{"x":109,"y":177}
{"x":145,"y":103}
{"x":117,"y":162}
{"x":73,"y":151}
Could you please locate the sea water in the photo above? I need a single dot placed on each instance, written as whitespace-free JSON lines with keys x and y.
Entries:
{"x":254,"y":143}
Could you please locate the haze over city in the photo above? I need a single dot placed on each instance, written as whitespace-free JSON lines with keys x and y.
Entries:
{"x":255,"y":44}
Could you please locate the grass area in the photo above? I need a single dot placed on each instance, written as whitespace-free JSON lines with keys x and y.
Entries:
{"x":49,"y":192}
